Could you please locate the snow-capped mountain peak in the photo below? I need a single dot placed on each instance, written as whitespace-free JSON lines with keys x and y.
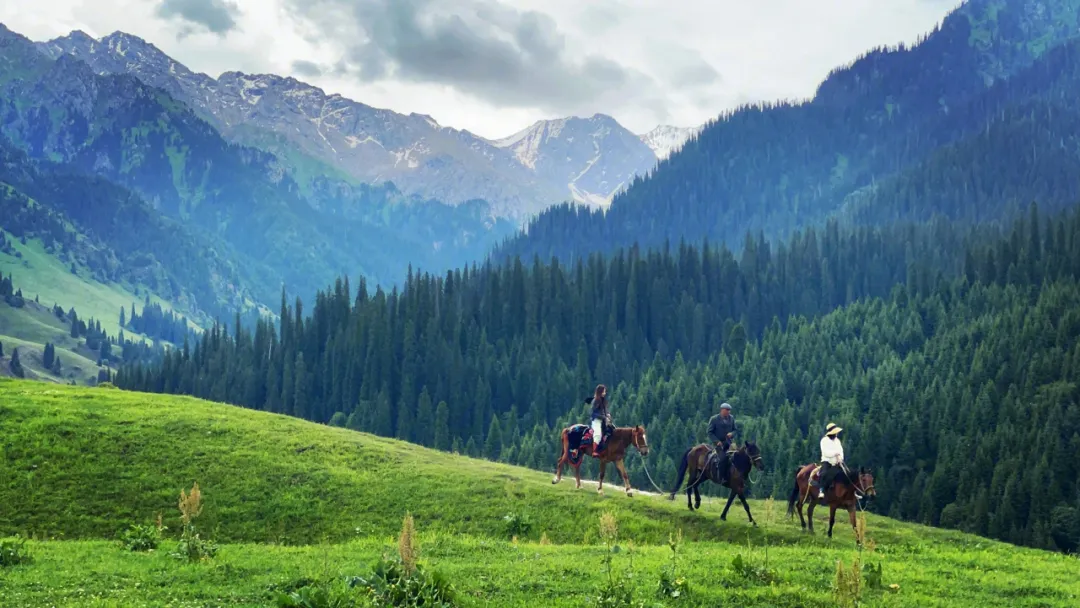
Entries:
{"x":595,"y":157}
{"x":587,"y":159}
{"x":665,"y":139}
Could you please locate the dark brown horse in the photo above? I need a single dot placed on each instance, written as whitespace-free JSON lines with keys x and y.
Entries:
{"x":615,"y":449}
{"x":841,"y":494}
{"x":699,"y":461}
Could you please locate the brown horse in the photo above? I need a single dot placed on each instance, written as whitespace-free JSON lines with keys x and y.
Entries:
{"x":841,"y":494}
{"x":699,"y":461}
{"x":614,"y":451}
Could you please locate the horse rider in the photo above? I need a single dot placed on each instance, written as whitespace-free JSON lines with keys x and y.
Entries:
{"x":721,"y":431}
{"x":600,"y":414}
{"x":832,"y":459}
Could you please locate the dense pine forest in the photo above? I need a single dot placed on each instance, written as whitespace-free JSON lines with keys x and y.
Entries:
{"x":951,"y":345}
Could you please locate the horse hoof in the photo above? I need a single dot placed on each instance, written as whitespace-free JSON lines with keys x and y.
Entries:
{"x":629,"y":493}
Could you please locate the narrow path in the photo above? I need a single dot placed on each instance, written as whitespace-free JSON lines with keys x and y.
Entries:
{"x":608,"y":486}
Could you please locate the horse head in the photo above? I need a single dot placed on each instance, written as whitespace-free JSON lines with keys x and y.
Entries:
{"x":753,"y":452}
{"x":866,"y":482}
{"x":640,"y":441}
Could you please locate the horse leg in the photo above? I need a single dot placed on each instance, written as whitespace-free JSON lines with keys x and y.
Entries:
{"x":697,"y":496}
{"x":577,"y":475}
{"x":690,"y":489}
{"x":812,"y":502}
{"x":621,"y":466}
{"x":742,"y":499}
{"x":730,"y":499}
{"x":562,"y":459}
{"x":799,"y":507}
{"x":854,"y":528}
{"x":832,"y":518}
{"x":600,"y":482}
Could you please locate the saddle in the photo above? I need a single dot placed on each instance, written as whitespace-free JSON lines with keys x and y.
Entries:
{"x":581,"y":440}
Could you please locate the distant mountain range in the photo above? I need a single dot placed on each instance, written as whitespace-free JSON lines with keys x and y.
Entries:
{"x":972,"y":122}
{"x":251,"y":220}
{"x":586,"y":160}
{"x":282,"y":184}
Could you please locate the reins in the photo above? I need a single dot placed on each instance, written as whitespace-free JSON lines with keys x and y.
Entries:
{"x":646,"y":468}
{"x":856,"y":482}
{"x":644,"y":464}
{"x":750,"y":473}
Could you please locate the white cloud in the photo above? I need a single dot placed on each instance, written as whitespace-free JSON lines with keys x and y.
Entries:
{"x":674,"y":62}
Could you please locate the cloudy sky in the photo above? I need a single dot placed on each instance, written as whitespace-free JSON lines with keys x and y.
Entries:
{"x":496,"y":66}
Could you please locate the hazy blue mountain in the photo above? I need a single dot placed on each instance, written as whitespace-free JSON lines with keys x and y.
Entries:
{"x":301,"y":123}
{"x":279,"y":230}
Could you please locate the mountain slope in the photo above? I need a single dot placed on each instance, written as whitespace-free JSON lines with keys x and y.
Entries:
{"x":242,"y":461}
{"x":110,"y":236}
{"x":778,"y":167}
{"x":368,"y":144}
{"x":244,"y":199}
{"x":277,"y":482}
{"x":556,"y":150}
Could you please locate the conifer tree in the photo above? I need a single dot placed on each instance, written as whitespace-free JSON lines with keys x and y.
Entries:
{"x":425,"y":420}
{"x":16,"y":365}
{"x":301,"y":382}
{"x":493,"y":444}
{"x":442,"y":428}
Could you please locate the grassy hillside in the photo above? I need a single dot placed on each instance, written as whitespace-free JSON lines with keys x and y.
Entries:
{"x":40,"y":274}
{"x":299,"y":501}
{"x":79,"y":365}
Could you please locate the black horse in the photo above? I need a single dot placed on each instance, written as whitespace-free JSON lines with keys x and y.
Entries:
{"x":697,"y":460}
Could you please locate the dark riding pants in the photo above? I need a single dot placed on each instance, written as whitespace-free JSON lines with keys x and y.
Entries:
{"x":720,"y":458}
{"x":828,"y":474}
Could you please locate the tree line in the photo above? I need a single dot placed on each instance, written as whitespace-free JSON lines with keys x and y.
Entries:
{"x":492,"y":360}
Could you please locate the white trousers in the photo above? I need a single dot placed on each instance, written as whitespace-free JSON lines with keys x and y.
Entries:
{"x":597,"y":430}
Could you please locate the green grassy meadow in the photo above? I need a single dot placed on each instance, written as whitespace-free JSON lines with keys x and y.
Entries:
{"x":291,"y":500}
{"x":39,"y":274}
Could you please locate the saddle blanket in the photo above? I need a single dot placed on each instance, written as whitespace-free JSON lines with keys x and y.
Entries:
{"x":581,"y":440}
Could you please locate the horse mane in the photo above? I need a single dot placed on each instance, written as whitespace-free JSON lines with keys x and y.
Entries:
{"x":741,"y":460}
{"x":843,"y":476}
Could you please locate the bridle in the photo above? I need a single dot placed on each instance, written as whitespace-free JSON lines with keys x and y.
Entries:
{"x":857,"y":481}
{"x":754,"y":460}
{"x":638,"y":435}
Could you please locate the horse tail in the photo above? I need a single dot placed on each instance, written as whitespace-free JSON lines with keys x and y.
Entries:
{"x":794,"y":496}
{"x":682,"y":473}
